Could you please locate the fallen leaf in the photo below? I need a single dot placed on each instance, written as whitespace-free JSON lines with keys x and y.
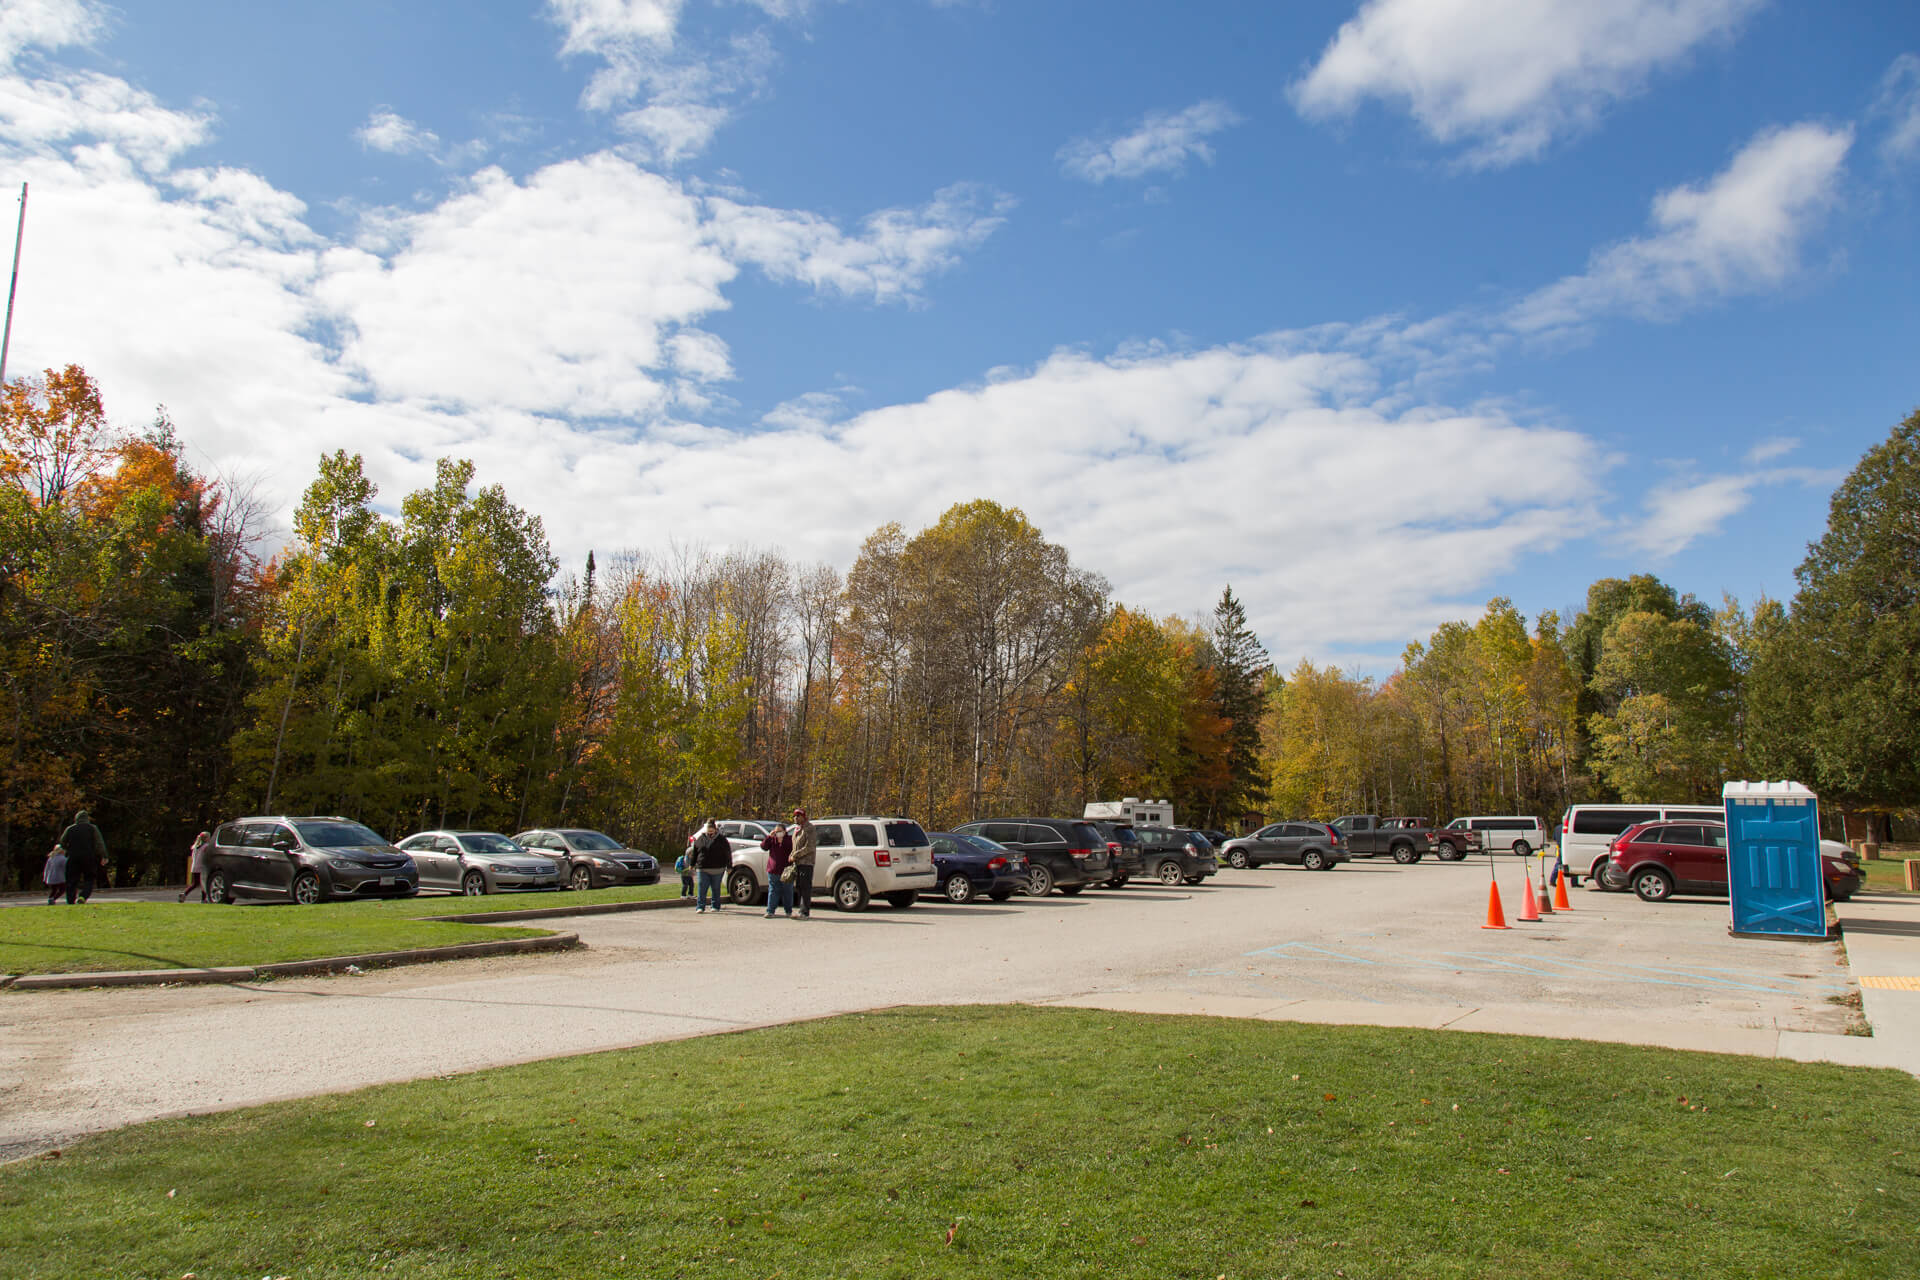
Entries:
{"x":371,"y":1123}
{"x":950,"y":1232}
{"x":1327,"y":1097}
{"x":1139,"y":1240}
{"x":1308,"y":1204}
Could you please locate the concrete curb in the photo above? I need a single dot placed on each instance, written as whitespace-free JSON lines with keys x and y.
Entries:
{"x":553,"y":913}
{"x":294,"y":968}
{"x":6,"y":980}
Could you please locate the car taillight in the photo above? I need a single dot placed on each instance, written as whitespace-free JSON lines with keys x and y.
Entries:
{"x":996,"y":864}
{"x":1113,"y":847}
{"x":881,"y":858}
{"x":1333,"y":837}
{"x":1081,"y":853}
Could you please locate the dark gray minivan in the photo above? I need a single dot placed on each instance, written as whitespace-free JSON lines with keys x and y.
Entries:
{"x":306,"y":860}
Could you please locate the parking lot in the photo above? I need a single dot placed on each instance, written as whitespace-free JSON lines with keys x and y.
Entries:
{"x":1367,"y":942}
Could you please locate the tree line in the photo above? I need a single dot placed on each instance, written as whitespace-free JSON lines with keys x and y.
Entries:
{"x":435,"y":667}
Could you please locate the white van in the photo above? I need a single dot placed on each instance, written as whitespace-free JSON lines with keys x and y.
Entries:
{"x":1503,"y":833}
{"x":1586,"y":830}
{"x":855,"y":860}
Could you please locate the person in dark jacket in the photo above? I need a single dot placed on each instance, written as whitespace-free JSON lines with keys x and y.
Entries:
{"x":779,"y":847}
{"x":712,"y":854}
{"x":86,"y":856}
{"x":801,"y":833}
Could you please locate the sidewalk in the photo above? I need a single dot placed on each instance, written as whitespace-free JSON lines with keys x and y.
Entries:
{"x":1882,"y":935}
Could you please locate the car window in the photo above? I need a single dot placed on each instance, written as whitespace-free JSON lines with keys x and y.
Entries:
{"x":865,"y":834}
{"x":1083,"y":835}
{"x":488,"y":842}
{"x":1001,"y":832}
{"x":826,"y":835}
{"x":1686,"y":833}
{"x":332,"y":834}
{"x":1126,"y":835}
{"x":1273,"y":832}
{"x":260,"y":835}
{"x":593,"y":842}
{"x":1610,"y":822}
{"x":941,"y":844}
{"x":1458,"y":824}
{"x":905,"y":835}
{"x":1706,"y":815}
{"x":1041,"y":835}
{"x":1717,"y":836}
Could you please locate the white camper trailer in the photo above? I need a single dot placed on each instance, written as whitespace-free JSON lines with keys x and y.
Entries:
{"x":1133,"y":811}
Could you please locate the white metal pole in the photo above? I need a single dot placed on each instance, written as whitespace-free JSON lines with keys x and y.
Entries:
{"x":19,"y":232}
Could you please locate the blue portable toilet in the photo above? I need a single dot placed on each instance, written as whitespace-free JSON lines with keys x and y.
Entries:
{"x":1773,"y":859}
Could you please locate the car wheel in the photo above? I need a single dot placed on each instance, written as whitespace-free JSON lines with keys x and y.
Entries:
{"x":1314,"y":860}
{"x":1405,"y":854}
{"x":903,"y":899}
{"x":742,"y":887}
{"x":1237,"y":859}
{"x":1170,"y":873}
{"x":1653,"y":886}
{"x":1001,"y":895}
{"x":217,"y":888}
{"x":1450,"y":854}
{"x":581,"y":878}
{"x":473,"y":884}
{"x":850,"y":892}
{"x":1594,"y":878}
{"x":1039,"y":881}
{"x":1522,"y":848}
{"x":959,"y":889}
{"x":1069,"y":890}
{"x":306,"y":889}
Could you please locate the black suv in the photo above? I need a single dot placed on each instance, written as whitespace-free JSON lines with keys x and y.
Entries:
{"x":306,"y":860}
{"x":1174,"y":855}
{"x":1062,"y":853}
{"x":1123,"y":847}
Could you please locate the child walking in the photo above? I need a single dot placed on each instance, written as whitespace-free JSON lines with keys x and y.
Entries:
{"x":54,"y":874}
{"x":686,"y":875}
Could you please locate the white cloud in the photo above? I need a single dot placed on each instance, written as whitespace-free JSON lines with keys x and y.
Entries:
{"x":1506,"y":77}
{"x":892,"y":257}
{"x":46,"y":24}
{"x":1162,"y":143}
{"x":1899,"y":105}
{"x":387,"y":130}
{"x":1675,"y":515}
{"x":1771,"y":448}
{"x":1741,"y":232}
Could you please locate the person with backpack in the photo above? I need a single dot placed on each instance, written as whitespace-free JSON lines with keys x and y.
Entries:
{"x":86,"y":856}
{"x":54,"y":874}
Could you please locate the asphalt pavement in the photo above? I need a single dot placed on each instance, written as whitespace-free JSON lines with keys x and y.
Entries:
{"x":1369,"y":943}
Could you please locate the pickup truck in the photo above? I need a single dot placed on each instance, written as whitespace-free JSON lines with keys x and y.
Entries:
{"x":1450,"y":843}
{"x":1368,"y":837}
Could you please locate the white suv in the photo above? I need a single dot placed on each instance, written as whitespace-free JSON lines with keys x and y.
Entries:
{"x":855,"y":860}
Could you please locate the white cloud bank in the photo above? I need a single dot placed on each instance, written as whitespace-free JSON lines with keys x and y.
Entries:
{"x":1898,"y":105}
{"x":1506,"y":78}
{"x":550,"y":328}
{"x":1161,"y":143}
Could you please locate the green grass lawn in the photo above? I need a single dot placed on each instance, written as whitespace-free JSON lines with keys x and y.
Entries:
{"x":1019,"y":1143}
{"x":164,"y":935}
{"x":1888,"y":874}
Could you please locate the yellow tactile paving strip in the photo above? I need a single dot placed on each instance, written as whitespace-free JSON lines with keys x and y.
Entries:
{"x":1892,"y":984}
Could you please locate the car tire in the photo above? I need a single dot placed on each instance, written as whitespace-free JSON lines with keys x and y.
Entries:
{"x":903,"y":899}
{"x":743,"y":888}
{"x":1405,"y":854}
{"x":306,"y":889}
{"x":1594,"y":879}
{"x":1314,"y":860}
{"x":1450,"y":854}
{"x":1237,"y":859}
{"x":1170,"y":873}
{"x":581,"y":877}
{"x":1652,"y":885}
{"x":959,"y":889}
{"x":850,"y":892}
{"x":218,"y":889}
{"x":1001,"y":895}
{"x":1039,"y":880}
{"x":473,"y":884}
{"x":1522,"y":849}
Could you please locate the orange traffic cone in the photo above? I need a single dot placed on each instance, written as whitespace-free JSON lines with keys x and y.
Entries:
{"x":1496,"y":918}
{"x":1529,"y":905}
{"x":1546,"y":907}
{"x":1560,"y":902}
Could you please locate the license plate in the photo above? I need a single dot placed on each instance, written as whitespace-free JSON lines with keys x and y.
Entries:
{"x":388,"y":881}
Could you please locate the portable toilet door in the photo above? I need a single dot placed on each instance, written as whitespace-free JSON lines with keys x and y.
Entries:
{"x":1774,"y":884}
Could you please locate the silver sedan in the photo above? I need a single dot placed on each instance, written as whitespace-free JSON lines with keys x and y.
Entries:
{"x":477,"y":862}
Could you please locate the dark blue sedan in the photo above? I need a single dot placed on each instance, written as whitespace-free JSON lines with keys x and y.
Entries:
{"x":969,"y":866}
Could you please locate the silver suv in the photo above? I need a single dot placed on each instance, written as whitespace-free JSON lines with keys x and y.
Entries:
{"x":307,"y":860}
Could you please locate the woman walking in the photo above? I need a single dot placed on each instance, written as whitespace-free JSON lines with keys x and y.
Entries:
{"x":197,"y":866}
{"x":779,"y":847}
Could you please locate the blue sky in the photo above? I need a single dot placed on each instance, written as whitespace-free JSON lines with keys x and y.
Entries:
{"x":1373,"y":309}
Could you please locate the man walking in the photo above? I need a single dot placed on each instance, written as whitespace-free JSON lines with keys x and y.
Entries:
{"x":803,"y":847}
{"x":712,"y":854}
{"x":86,"y":854}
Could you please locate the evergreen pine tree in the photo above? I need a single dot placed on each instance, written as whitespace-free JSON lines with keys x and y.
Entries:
{"x":1241,"y":666}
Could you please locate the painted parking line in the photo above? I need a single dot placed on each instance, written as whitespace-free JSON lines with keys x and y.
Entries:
{"x":1891,"y":984}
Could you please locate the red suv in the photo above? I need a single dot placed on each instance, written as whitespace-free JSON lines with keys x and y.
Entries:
{"x":1660,"y":859}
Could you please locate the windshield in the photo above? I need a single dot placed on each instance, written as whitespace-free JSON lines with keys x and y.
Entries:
{"x":488,"y":842}
{"x":335,"y":835}
{"x":905,"y":835}
{"x":1200,"y":842}
{"x":1125,"y":835}
{"x":591,"y":841}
